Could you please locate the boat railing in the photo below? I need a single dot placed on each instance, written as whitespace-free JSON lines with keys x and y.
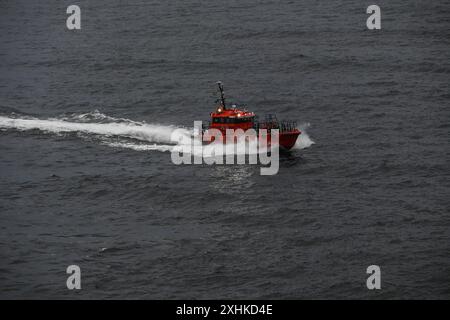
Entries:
{"x":283,"y":126}
{"x":268,"y":123}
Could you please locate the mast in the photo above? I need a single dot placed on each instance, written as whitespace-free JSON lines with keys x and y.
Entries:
{"x":222,"y":94}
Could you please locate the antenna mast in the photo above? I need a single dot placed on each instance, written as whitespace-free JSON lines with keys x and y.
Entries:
{"x":222,"y":94}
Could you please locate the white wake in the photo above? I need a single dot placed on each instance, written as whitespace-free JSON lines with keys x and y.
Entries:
{"x":154,"y":136}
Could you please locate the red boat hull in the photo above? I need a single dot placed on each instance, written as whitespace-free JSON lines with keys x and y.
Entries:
{"x":288,"y":139}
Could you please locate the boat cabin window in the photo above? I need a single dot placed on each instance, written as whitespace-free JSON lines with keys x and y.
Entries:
{"x":232,"y":120}
{"x":242,"y":120}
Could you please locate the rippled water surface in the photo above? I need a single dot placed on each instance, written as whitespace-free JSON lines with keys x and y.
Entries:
{"x":85,"y":170}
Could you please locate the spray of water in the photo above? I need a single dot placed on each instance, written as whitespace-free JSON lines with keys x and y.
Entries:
{"x":303,"y":140}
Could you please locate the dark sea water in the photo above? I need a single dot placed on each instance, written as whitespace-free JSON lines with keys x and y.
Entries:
{"x":372,"y":189}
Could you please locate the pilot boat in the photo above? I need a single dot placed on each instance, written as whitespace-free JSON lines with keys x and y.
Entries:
{"x":229,"y":116}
